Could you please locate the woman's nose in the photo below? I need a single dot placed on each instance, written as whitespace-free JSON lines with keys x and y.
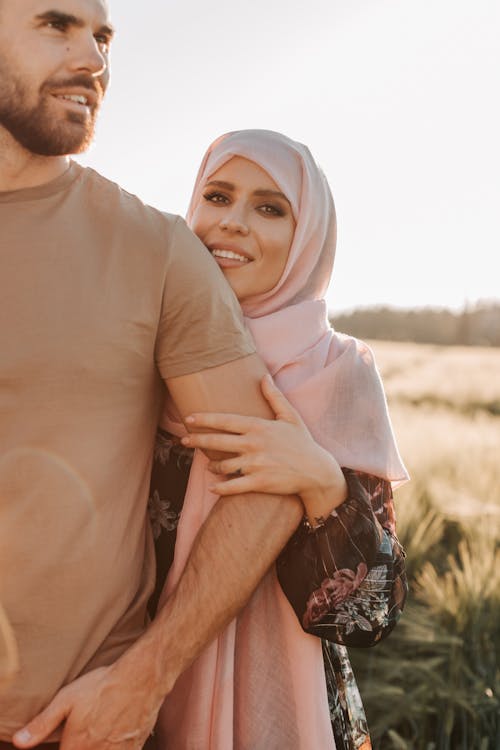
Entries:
{"x":234,"y":221}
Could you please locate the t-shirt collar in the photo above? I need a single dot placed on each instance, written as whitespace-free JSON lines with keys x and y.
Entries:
{"x":46,"y":189}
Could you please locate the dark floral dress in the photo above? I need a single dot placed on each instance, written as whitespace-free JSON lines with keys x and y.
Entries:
{"x":345,"y":579}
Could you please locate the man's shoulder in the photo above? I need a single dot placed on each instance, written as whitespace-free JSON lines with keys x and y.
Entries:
{"x":125,"y":209}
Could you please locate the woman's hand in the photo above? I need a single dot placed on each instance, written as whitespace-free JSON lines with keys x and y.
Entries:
{"x":277,"y":456}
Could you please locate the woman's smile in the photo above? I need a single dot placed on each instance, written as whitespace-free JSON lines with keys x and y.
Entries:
{"x":230,"y":256}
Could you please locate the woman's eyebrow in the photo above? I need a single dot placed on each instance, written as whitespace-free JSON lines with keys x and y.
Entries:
{"x":271,"y":194}
{"x":221,"y":184}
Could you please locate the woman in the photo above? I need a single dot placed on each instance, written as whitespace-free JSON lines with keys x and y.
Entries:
{"x":264,"y":210}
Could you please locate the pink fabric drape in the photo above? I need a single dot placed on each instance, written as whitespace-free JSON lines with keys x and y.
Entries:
{"x":260,"y":685}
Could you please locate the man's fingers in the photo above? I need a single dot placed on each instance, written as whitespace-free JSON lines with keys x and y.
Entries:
{"x":280,"y":405}
{"x":42,"y":726}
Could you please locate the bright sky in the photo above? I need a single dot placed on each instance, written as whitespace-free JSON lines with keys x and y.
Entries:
{"x":399,"y":100}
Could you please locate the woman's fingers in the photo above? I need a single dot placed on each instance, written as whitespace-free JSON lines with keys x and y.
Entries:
{"x":280,"y":405}
{"x":235,"y":486}
{"x":227,"y":466}
{"x":239,"y":424}
{"x":257,"y":482}
{"x":234,"y":423}
{"x":213,"y":441}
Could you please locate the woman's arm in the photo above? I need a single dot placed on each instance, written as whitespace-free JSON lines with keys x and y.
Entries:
{"x":346,"y":579}
{"x":318,"y":569}
{"x":343,"y":569}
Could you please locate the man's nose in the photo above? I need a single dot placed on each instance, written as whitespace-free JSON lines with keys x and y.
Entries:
{"x":88,"y":57}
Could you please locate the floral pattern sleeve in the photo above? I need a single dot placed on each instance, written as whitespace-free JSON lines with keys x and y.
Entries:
{"x":346,"y":578}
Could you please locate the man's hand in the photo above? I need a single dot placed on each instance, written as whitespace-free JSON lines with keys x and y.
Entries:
{"x":106,"y":709}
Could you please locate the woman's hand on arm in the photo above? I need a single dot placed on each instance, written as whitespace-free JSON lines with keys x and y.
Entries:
{"x":275,"y":456}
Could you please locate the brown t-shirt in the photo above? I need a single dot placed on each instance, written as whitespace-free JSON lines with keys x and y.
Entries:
{"x":100,"y":298}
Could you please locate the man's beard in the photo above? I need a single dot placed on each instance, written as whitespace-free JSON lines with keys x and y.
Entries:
{"x":37,"y":129}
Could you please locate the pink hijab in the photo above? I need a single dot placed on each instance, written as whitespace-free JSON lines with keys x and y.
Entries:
{"x":260,"y":685}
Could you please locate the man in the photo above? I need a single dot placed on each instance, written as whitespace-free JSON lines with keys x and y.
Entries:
{"x":97,"y":307}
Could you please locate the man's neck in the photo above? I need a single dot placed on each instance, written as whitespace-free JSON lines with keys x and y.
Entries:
{"x":20,"y":168}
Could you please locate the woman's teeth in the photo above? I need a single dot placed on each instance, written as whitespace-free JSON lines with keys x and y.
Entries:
{"x":229,"y":254}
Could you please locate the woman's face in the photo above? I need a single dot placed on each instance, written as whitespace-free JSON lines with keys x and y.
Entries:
{"x":246,"y":222}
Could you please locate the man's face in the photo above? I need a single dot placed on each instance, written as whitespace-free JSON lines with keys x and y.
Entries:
{"x":53,"y":72}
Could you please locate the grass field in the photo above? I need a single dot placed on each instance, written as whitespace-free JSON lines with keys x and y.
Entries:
{"x":434,"y":685}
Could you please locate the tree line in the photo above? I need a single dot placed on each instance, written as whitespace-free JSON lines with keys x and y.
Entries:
{"x":475,"y":325}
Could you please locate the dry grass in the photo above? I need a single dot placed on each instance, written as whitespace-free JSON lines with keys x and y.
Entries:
{"x":466,"y":379}
{"x":450,"y":444}
{"x":439,"y":672}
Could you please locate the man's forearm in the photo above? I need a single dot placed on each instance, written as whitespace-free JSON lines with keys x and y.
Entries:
{"x":234,"y":549}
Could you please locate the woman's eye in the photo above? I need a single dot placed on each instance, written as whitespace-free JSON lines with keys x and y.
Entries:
{"x":271,"y":210}
{"x":216,"y":198}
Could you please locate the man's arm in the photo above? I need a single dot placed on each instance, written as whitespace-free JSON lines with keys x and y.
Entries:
{"x":238,"y":543}
{"x":116,"y":706}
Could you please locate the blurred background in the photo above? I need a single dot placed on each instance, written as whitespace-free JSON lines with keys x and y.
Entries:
{"x":397,"y":99}
{"x":399,"y":102}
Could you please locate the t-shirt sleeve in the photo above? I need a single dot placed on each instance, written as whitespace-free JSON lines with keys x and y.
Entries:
{"x":201,"y":324}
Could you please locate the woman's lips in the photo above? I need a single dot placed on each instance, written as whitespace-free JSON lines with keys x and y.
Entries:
{"x":229,"y":258}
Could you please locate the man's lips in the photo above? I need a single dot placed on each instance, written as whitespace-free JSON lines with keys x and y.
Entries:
{"x":79,"y":97}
